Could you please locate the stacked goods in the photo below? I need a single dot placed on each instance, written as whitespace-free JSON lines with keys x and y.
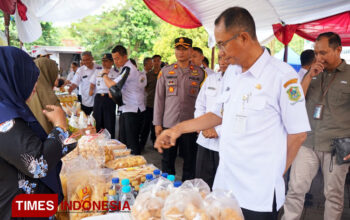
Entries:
{"x":134,"y":173}
{"x":125,"y":162}
{"x":160,"y":200}
{"x":82,"y":122}
{"x":66,"y":98}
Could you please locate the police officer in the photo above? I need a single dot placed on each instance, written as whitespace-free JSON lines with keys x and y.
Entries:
{"x":208,"y":140}
{"x":263,"y":116}
{"x":82,"y":79}
{"x":176,"y":92}
{"x":133,"y":93}
{"x":104,"y":107}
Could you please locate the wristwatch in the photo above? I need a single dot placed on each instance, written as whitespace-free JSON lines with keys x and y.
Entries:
{"x":103,"y":74}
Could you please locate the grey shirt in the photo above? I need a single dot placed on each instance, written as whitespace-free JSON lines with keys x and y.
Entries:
{"x":176,"y":92}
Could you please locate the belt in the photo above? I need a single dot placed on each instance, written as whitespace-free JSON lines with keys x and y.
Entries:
{"x":102,"y":94}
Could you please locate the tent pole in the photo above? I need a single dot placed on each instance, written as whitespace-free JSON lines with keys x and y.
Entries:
{"x":7,"y":25}
{"x":212,"y":58}
{"x":285,"y":57}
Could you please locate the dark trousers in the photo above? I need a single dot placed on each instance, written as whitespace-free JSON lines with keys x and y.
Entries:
{"x":147,"y":127}
{"x":189,"y":147}
{"x":86,"y":110}
{"x":252,"y":215}
{"x":129,"y":132}
{"x":104,"y":113}
{"x":206,"y":165}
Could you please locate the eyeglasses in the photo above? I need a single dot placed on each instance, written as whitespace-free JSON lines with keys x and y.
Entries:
{"x":221,"y":45}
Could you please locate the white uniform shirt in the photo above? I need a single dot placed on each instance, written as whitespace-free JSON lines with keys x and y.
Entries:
{"x":133,"y":90}
{"x":302,"y":73}
{"x":82,"y":79}
{"x":97,"y":80}
{"x":206,"y":101}
{"x":70,"y":78}
{"x":253,"y":159}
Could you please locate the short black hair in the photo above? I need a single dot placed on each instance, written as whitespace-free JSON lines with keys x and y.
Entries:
{"x":237,"y":17}
{"x":120,"y":49}
{"x":334,"y":40}
{"x":199,"y":50}
{"x":307,"y":57}
{"x":146,"y":59}
{"x":86,"y":53}
{"x":206,"y":61}
{"x":163,"y":64}
{"x":133,"y":62}
{"x":75,"y":63}
{"x":157,"y":56}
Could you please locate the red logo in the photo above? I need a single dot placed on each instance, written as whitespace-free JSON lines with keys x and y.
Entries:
{"x":34,"y":205}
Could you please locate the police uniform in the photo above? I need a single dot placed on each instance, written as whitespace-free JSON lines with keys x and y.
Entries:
{"x":131,"y":119}
{"x":104,"y":107}
{"x":26,"y":159}
{"x":176,"y":92}
{"x":260,"y":107}
{"x":207,"y":154}
{"x":82,"y":79}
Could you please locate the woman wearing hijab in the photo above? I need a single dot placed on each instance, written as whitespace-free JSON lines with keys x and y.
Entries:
{"x":44,"y":91}
{"x":29,"y":159}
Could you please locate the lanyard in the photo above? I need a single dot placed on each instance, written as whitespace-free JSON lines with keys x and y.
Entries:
{"x":324,"y":93}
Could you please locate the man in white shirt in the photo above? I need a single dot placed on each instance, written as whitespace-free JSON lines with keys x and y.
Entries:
{"x":307,"y":58}
{"x":208,"y":140}
{"x":263,"y":116}
{"x":133,"y":93}
{"x":74,"y":67}
{"x":205,"y":64}
{"x":197,"y":58}
{"x":82,"y":79}
{"x":104,"y":107}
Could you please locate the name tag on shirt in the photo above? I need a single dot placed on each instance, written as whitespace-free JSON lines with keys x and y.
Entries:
{"x":85,"y":76}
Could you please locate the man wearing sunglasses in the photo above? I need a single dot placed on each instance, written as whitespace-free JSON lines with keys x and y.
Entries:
{"x":263,"y":116}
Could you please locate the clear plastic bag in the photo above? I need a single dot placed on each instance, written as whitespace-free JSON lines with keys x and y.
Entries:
{"x":150,"y":201}
{"x":184,"y":204}
{"x":198,"y":185}
{"x":222,"y":205}
{"x":134,"y":173}
{"x":125,"y":162}
{"x":121,"y":152}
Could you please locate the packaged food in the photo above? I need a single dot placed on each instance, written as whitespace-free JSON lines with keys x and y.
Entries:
{"x":222,"y":205}
{"x":114,"y":144}
{"x":121,"y":152}
{"x":198,"y":185}
{"x":125,"y":162}
{"x":150,"y":201}
{"x":184,"y":204}
{"x":134,"y":173}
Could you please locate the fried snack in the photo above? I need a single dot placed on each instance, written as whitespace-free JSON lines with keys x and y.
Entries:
{"x":134,"y":173}
{"x":121,"y":152}
{"x":125,"y":162}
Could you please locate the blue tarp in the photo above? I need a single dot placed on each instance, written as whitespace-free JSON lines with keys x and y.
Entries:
{"x":293,"y":58}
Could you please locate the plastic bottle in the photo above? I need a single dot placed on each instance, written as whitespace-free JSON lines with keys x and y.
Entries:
{"x":126,"y":196}
{"x":116,"y":187}
{"x":111,"y":197}
{"x":165,"y":175}
{"x":149,"y":178}
{"x":156,"y":173}
{"x":134,"y":184}
{"x":171,"y":178}
{"x":177,"y":184}
{"x":125,"y":182}
{"x":136,"y":190}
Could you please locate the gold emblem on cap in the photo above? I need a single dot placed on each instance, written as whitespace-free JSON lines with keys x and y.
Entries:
{"x":181,"y":40}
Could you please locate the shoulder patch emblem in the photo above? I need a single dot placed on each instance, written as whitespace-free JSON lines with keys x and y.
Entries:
{"x":159,"y":75}
{"x":294,"y":93}
{"x":175,"y":66}
{"x":295,"y":80}
{"x":6,"y":126}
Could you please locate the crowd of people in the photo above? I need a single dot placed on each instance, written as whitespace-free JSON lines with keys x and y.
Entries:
{"x":238,"y":129}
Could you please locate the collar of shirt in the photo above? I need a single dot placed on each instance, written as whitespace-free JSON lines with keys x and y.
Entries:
{"x":341,"y":66}
{"x":257,"y":68}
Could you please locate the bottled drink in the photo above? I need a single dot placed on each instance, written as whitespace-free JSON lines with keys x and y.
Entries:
{"x":116,"y":187}
{"x":165,"y":175}
{"x":171,"y":178}
{"x":111,"y":198}
{"x":125,"y":182}
{"x":177,"y":184}
{"x":149,"y":178}
{"x":156,"y":173}
{"x":126,"y":196}
{"x":136,"y":190}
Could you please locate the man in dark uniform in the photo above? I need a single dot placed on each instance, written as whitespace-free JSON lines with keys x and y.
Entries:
{"x":176,"y":92}
{"x":104,"y":107}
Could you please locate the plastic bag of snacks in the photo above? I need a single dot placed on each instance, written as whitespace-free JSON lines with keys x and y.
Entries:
{"x":198,"y":185}
{"x":184,"y":204}
{"x":121,"y":152}
{"x":93,"y":145}
{"x":222,"y":205}
{"x":114,"y":144}
{"x":125,"y":162}
{"x":150,"y":201}
{"x":134,"y":173}
{"x":86,"y":184}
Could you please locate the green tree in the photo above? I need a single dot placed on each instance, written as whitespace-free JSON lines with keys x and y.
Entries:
{"x":131,"y":24}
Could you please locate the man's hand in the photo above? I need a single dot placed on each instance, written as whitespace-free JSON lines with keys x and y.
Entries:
{"x":166,"y":139}
{"x":347,"y":157}
{"x":316,"y":69}
{"x":210,"y":133}
{"x":158,"y":129}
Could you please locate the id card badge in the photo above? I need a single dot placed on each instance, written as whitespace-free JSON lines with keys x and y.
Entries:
{"x":318,"y":112}
{"x":240,"y":123}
